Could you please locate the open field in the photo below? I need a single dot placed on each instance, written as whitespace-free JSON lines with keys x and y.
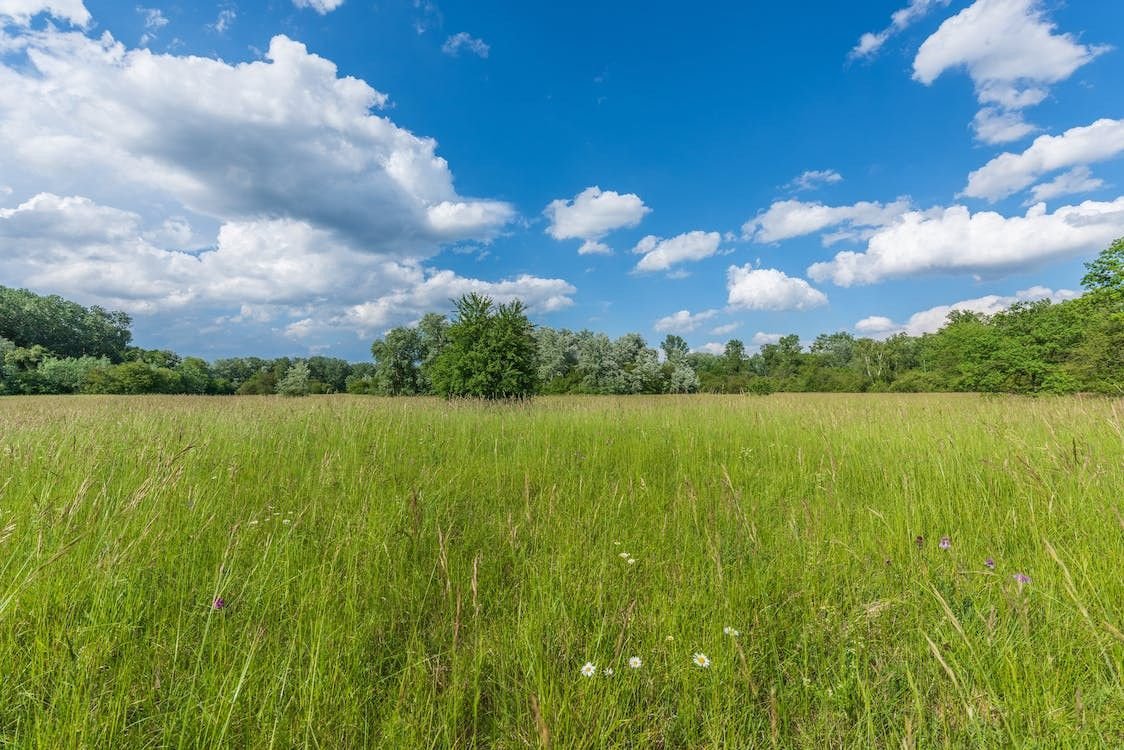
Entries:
{"x":410,"y":574}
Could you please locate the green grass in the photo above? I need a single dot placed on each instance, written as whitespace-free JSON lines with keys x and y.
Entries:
{"x":414,"y":574}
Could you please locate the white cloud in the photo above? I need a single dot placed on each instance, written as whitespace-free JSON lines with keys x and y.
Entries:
{"x":594,"y":247}
{"x":712,"y":347}
{"x":792,"y":218}
{"x":954,"y":240}
{"x":1012,"y":53}
{"x":1009,"y":173}
{"x":722,"y":330}
{"x":154,"y":20}
{"x":661,"y":254}
{"x":591,"y":215}
{"x":224,"y":21}
{"x":440,"y":288}
{"x":465,"y":41}
{"x":871,"y":42}
{"x":1075,"y":181}
{"x":769,"y":289}
{"x":813,"y":179}
{"x":279,"y":137}
{"x":995,"y":125}
{"x":683,"y":321}
{"x":761,"y":339}
{"x":305,"y":201}
{"x":323,"y":7}
{"x":931,"y":320}
{"x":20,"y":12}
{"x":97,"y":253}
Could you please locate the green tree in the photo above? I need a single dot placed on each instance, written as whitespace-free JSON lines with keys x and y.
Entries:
{"x":490,"y":351}
{"x":675,"y":348}
{"x":296,"y":380}
{"x":1104,"y":276}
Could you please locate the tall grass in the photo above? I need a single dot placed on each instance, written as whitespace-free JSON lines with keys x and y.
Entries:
{"x":416,"y":574}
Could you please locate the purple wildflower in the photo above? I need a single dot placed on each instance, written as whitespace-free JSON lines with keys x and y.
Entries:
{"x":989,"y":563}
{"x":945,"y":543}
{"x":218,"y":603}
{"x":1021,"y":578}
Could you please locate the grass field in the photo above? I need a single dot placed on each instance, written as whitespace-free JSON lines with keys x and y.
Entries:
{"x":413,"y":574}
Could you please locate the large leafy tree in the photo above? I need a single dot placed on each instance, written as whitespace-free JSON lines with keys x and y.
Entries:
{"x":64,"y":328}
{"x":490,"y":352}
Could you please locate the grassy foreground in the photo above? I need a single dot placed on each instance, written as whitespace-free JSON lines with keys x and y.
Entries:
{"x":413,"y":574}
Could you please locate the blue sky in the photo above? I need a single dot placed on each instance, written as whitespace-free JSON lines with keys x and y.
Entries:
{"x":743,"y":170}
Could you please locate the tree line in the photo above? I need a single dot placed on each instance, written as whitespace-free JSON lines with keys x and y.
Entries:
{"x":51,"y":345}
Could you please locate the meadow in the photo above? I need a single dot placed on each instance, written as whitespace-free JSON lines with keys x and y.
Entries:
{"x":802,"y":571}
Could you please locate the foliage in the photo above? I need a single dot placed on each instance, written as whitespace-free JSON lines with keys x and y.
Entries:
{"x":65,"y":328}
{"x":490,"y":352}
{"x":1033,"y":348}
{"x":296,"y":380}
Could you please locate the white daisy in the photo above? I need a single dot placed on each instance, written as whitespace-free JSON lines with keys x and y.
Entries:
{"x":700,"y":659}
{"x":588,"y":670}
{"x":623,"y":555}
{"x":608,"y":671}
{"x":635,"y":663}
{"x":632,"y":561}
{"x":732,"y":632}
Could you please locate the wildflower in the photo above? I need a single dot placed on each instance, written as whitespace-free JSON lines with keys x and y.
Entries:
{"x":989,"y":563}
{"x":623,"y":555}
{"x":732,"y":632}
{"x":588,"y":670}
{"x":253,"y":522}
{"x":670,"y":638}
{"x":1021,"y":578}
{"x":632,"y":561}
{"x":218,"y":603}
{"x":945,"y":543}
{"x":634,"y":662}
{"x":700,"y":659}
{"x":919,"y":541}
{"x":608,"y":671}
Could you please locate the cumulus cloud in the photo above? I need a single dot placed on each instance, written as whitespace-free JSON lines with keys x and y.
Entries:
{"x":722,"y":330}
{"x":792,"y":218}
{"x":712,"y":347}
{"x":323,"y":7}
{"x":954,"y":240}
{"x":814,"y":179}
{"x":931,"y":320}
{"x":769,"y":289}
{"x":661,"y":254}
{"x":1075,"y":181}
{"x":440,"y":288}
{"x":1012,"y":52}
{"x":1009,"y":173}
{"x":20,"y":12}
{"x":683,"y":321}
{"x":81,"y":249}
{"x":463,"y":41}
{"x":304,"y":200}
{"x":592,"y":214}
{"x":871,"y":42}
{"x":761,"y":338}
{"x":283,"y":136}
